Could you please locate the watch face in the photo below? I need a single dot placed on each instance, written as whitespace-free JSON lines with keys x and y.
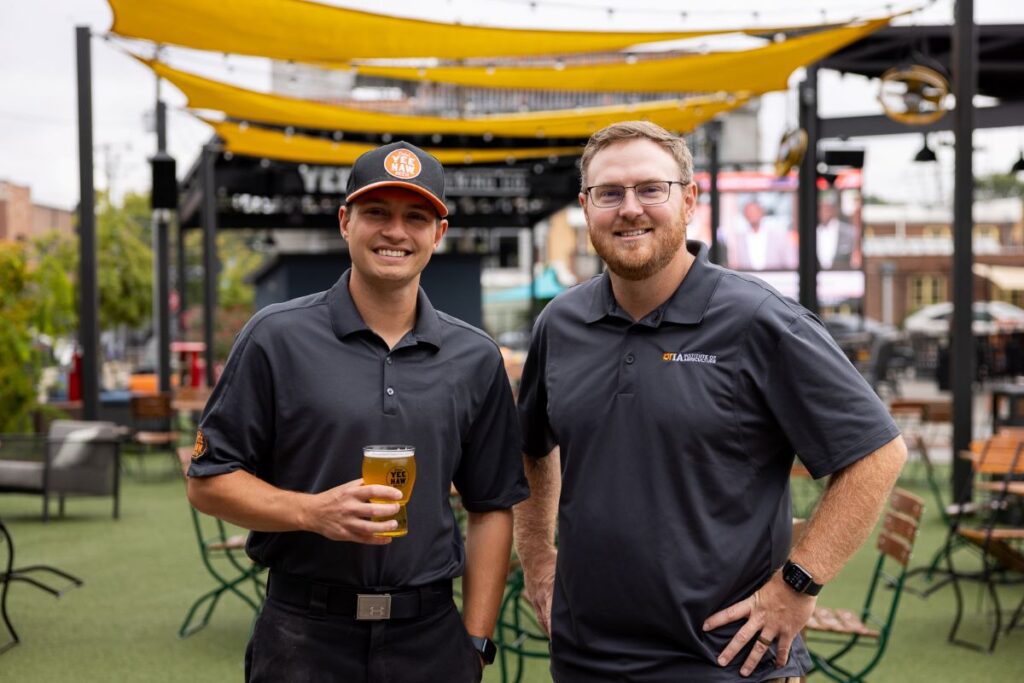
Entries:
{"x":796,"y":577}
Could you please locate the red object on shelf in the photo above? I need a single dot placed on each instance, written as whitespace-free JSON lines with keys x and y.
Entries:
{"x":194,"y":351}
{"x":195,"y":371}
{"x":75,"y":377}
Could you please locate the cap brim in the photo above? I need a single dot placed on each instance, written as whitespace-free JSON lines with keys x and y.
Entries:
{"x":442,"y":210}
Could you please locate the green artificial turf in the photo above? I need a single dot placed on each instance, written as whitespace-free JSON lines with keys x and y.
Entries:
{"x":142,"y":572}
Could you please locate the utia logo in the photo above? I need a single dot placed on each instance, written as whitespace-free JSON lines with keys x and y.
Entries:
{"x":673,"y":357}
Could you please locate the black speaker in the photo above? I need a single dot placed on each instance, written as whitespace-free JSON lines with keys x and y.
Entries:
{"x":851,"y":158}
{"x":165,"y":183}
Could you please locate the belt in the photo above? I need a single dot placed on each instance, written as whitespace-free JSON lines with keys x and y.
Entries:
{"x":362,"y":605}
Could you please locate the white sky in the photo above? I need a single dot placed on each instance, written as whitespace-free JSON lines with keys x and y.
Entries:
{"x":38,"y":106}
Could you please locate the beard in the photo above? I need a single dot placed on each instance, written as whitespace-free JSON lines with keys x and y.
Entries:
{"x":639,"y":263}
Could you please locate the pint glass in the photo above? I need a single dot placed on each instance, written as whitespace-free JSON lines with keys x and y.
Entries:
{"x":393,"y":466}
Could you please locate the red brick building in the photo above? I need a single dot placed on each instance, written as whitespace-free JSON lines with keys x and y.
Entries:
{"x":908,"y":256}
{"x":21,"y":219}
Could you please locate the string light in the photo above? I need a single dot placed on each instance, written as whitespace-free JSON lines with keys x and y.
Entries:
{"x":534,"y":5}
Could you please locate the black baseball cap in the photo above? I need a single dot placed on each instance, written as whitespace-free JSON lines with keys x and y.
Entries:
{"x":399,"y":165}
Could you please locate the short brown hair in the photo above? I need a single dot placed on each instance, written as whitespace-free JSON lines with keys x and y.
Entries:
{"x":636,"y":130}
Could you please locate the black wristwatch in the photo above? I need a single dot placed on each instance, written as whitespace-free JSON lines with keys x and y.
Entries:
{"x":486,"y":648}
{"x":799,"y":579}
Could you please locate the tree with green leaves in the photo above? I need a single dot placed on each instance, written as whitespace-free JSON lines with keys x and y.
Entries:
{"x":39,"y":296}
{"x":998,"y":185}
{"x":125,"y":261}
{"x":235,"y":295}
{"x":35,"y":300}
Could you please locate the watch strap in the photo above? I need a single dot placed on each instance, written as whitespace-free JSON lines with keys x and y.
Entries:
{"x":486,"y":648}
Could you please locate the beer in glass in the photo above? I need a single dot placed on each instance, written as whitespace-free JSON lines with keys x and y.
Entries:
{"x":393,"y":466}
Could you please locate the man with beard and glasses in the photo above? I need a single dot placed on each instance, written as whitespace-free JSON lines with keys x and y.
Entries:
{"x":677,"y":393}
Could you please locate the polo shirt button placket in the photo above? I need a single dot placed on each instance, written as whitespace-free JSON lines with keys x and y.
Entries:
{"x":390,"y":405}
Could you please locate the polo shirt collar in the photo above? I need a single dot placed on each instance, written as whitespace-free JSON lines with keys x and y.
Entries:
{"x":345,"y":318}
{"x":687,"y":304}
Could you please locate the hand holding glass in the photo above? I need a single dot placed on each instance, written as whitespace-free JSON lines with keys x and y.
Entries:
{"x":394,"y":466}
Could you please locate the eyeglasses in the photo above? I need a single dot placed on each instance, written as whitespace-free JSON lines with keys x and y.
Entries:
{"x":648,"y":194}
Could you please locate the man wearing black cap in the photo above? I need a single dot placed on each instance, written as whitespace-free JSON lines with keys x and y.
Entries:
{"x":310,"y":382}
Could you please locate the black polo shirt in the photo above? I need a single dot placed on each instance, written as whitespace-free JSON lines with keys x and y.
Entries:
{"x":308,"y":384}
{"x":677,"y":434}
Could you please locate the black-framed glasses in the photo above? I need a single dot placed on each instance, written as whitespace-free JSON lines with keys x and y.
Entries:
{"x":649,"y":193}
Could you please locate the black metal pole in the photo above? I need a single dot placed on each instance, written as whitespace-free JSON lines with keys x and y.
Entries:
{"x":161,"y":289}
{"x":88,"y":306}
{"x":181,"y":283}
{"x":161,"y":121}
{"x":714,"y":131}
{"x":210,"y":267}
{"x":534,"y":303}
{"x":962,"y":350}
{"x":161,"y":262}
{"x":807,"y":201}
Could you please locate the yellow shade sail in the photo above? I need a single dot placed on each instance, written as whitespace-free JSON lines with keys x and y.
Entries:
{"x":755,"y":71}
{"x":202,"y":93}
{"x":273,"y":144}
{"x":312,"y":32}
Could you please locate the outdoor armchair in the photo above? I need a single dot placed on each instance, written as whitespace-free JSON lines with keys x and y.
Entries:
{"x":872,"y":626}
{"x":224,"y":558}
{"x":75,"y":458}
{"x":1000,"y":535}
{"x":153,"y":420}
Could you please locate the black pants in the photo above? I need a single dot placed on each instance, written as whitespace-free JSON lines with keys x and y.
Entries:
{"x":288,"y":645}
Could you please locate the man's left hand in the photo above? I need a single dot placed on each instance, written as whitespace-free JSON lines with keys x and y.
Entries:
{"x":774,"y":613}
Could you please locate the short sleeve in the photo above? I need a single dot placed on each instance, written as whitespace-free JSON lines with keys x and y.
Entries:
{"x":237,"y":427}
{"x":538,"y":437}
{"x":490,"y":474}
{"x":827,"y":410}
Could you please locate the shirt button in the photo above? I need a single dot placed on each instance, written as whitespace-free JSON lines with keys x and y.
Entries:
{"x":388,"y":360}
{"x":630,"y":358}
{"x":390,"y":391}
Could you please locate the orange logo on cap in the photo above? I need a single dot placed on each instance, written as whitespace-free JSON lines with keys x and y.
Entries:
{"x":402,"y":164}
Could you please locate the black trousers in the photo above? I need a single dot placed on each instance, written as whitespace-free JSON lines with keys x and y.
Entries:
{"x":289,"y":645}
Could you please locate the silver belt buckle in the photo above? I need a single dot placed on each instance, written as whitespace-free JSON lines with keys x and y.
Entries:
{"x":373,"y":607}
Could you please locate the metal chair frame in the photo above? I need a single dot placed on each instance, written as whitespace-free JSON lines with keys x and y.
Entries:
{"x":219,"y":545}
{"x":519,"y":636}
{"x":1003,"y":459}
{"x":243,"y":570}
{"x":895,"y":544}
{"x":12,"y":574}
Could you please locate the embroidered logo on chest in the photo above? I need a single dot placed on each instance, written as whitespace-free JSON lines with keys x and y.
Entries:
{"x":673,"y":357}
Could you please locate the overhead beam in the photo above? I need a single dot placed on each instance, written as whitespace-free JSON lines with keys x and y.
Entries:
{"x":1006,"y":115}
